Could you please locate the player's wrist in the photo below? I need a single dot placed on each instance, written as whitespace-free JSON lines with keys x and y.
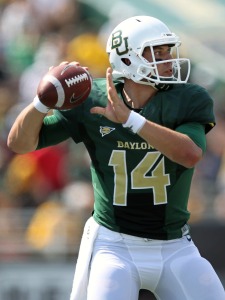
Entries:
{"x":134,"y":122}
{"x":40,"y":106}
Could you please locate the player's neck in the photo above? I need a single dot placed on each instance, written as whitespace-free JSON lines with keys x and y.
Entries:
{"x":137,"y":95}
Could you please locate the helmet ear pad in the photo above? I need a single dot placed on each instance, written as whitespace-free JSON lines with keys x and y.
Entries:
{"x":126,"y":61}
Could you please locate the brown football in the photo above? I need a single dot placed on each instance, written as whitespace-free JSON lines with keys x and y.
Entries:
{"x":65,"y":86}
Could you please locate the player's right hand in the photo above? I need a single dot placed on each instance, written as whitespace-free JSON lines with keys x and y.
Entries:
{"x":116,"y":111}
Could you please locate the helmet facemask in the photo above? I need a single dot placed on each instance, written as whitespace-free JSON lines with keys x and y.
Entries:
{"x":149,"y":72}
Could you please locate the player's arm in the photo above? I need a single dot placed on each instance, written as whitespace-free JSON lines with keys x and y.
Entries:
{"x":24,"y":134}
{"x":33,"y":130}
{"x":177,"y":146}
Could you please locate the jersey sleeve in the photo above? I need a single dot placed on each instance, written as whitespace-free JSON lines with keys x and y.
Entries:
{"x":52,"y":132}
{"x":197,"y":107}
{"x":71,"y":121}
{"x":196,"y":132}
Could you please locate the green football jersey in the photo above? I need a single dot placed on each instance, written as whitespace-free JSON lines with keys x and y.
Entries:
{"x":137,"y":190}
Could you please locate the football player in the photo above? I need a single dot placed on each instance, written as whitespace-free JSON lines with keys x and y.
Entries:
{"x":144,"y":127}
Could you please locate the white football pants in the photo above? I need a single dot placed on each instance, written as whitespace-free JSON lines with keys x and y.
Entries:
{"x":121,"y":265}
{"x":172,"y":270}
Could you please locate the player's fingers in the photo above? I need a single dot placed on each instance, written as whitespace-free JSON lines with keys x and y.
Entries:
{"x":113,"y":97}
{"x":98,"y":110}
{"x":109,"y":77}
{"x":110,"y":84}
{"x":64,"y":63}
{"x":71,"y":63}
{"x":76,"y":63}
{"x":108,"y":80}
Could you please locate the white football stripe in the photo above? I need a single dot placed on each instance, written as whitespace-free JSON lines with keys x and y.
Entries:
{"x":59,"y":89}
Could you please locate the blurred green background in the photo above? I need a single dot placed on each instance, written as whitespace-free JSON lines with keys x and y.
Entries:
{"x":46,"y":196}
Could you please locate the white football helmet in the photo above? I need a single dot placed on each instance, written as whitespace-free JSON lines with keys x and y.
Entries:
{"x":128,"y":41}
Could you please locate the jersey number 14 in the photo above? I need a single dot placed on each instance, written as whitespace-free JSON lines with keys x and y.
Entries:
{"x":158,"y":181}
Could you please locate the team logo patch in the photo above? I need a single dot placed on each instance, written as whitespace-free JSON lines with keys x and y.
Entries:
{"x":105,"y":130}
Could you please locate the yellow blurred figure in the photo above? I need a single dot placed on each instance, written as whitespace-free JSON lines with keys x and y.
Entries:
{"x":42,"y":229}
{"x":89,"y":52}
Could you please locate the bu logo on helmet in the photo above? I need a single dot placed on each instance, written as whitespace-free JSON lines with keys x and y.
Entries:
{"x":117,"y":41}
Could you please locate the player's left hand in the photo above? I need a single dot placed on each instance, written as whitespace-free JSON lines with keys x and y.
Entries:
{"x":116,"y":111}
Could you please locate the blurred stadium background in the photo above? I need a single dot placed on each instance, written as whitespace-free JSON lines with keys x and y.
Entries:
{"x":46,"y":196}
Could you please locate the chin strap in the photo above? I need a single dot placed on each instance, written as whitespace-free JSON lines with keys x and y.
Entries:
{"x":163,"y":86}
